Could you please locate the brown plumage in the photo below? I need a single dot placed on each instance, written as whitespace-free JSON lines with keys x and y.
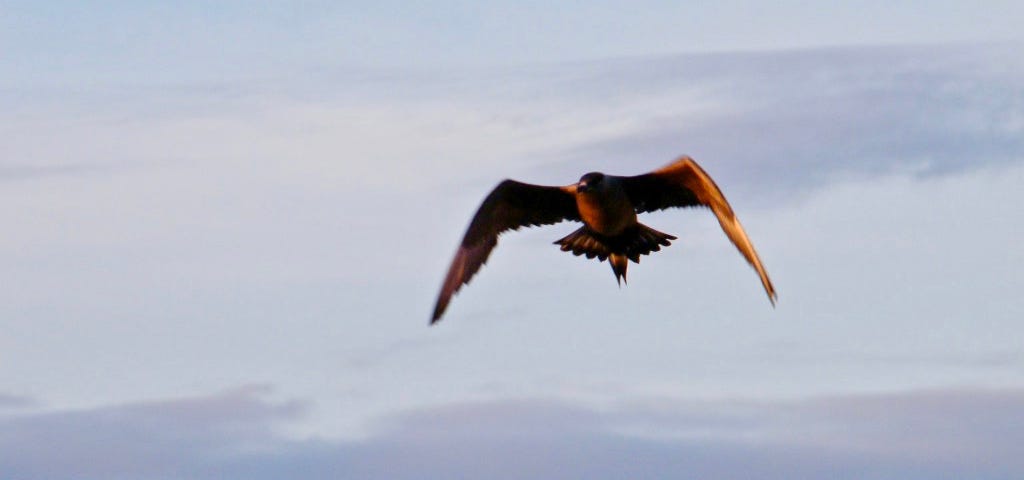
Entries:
{"x":607,"y":206}
{"x":636,"y":240}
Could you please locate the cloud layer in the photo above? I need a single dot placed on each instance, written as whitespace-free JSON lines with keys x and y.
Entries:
{"x":797,"y":121}
{"x":8,"y":401}
{"x":234,"y":435}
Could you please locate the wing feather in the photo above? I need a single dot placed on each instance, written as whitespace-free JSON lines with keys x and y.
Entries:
{"x":684,"y":183}
{"x":510,"y":206}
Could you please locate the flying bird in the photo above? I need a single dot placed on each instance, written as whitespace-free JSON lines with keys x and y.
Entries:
{"x":607,"y":205}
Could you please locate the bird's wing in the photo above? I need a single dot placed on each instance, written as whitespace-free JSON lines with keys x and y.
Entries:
{"x":509,"y":206}
{"x":684,"y":184}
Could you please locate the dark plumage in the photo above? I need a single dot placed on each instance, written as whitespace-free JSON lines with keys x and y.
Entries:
{"x":607,"y":205}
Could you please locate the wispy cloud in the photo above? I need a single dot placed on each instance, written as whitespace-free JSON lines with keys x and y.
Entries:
{"x":928,"y":434}
{"x":159,"y":439}
{"x":29,"y":172}
{"x":801,"y":120}
{"x":795,"y":120}
{"x":9,"y":401}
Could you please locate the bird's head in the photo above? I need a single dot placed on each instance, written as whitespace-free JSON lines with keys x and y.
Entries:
{"x":591,"y":181}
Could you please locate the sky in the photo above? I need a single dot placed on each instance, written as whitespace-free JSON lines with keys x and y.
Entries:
{"x":226,"y":227}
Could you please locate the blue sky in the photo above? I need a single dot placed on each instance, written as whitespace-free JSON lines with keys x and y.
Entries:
{"x":227,"y":227}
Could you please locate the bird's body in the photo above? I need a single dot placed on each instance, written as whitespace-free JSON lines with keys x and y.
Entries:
{"x":604,"y":205}
{"x":607,"y":206}
{"x":610,"y":228}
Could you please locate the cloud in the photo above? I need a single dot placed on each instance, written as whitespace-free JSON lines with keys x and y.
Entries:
{"x":927,"y":434}
{"x":30,"y":172}
{"x":8,"y":401}
{"x":159,"y":439}
{"x":800,"y":120}
{"x":797,"y":121}
{"x":794,"y":120}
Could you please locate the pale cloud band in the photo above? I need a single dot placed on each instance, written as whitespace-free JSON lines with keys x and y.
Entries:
{"x":9,"y":401}
{"x":914,"y":435}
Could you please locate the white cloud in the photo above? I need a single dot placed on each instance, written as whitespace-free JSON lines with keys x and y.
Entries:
{"x":924,"y":434}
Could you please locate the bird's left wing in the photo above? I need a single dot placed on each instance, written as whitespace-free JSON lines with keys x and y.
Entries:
{"x":684,"y":184}
{"x":509,"y":206}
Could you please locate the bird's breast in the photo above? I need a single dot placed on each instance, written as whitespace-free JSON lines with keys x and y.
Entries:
{"x":606,"y":213}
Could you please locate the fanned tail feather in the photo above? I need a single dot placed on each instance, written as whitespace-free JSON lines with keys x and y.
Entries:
{"x":584,"y":242}
{"x":629,"y":245}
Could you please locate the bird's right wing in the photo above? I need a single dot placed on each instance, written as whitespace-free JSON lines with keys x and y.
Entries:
{"x":684,"y":184}
{"x":509,"y":206}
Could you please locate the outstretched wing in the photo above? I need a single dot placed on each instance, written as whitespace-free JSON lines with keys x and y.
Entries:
{"x":684,"y":184}
{"x":509,"y":206}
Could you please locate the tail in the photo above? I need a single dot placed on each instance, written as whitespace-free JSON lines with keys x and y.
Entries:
{"x":619,"y":264}
{"x":628,"y":245}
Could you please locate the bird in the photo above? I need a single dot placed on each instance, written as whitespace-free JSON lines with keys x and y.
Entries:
{"x":607,"y":206}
